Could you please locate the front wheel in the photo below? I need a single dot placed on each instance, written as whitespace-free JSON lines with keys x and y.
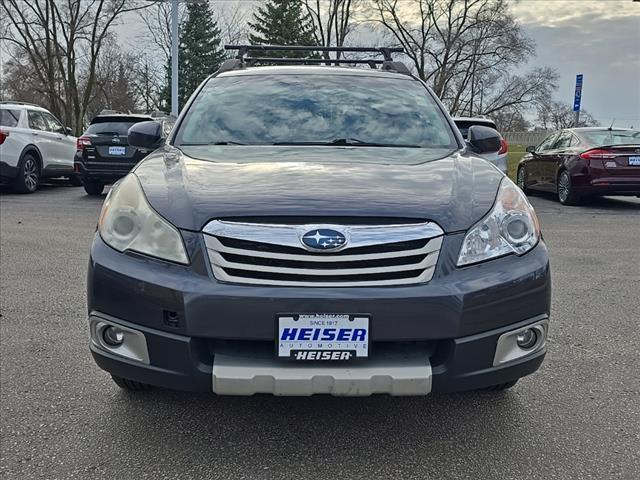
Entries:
{"x":566,"y":192}
{"x":93,"y":187}
{"x":28,"y":175}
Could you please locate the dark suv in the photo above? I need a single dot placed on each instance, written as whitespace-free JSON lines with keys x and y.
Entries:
{"x":317,"y":229}
{"x":103,"y":154}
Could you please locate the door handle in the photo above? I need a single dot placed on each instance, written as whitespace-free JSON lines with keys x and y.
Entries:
{"x":35,"y":133}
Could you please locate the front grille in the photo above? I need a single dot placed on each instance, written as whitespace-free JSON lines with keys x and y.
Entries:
{"x":375,"y":255}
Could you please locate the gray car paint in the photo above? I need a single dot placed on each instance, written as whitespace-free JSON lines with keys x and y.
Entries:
{"x":249,"y":181}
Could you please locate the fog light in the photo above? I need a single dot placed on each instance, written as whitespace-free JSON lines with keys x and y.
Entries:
{"x":527,"y":338}
{"x":113,"y":336}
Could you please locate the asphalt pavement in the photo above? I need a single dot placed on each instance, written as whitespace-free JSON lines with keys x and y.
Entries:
{"x":61,"y":417}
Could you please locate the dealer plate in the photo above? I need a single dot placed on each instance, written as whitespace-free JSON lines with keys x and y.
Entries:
{"x":634,"y":161}
{"x":117,"y":150}
{"x":309,"y":337}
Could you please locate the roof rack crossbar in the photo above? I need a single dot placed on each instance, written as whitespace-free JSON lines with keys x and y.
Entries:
{"x":244,"y":49}
{"x":313,"y":61}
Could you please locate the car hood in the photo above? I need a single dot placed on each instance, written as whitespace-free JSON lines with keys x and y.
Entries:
{"x":306,"y":182}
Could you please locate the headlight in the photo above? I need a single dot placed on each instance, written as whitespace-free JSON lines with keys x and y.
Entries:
{"x":510,"y":227}
{"x":127,"y":222}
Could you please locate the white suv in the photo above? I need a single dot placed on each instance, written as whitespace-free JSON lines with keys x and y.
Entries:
{"x":33,"y":145}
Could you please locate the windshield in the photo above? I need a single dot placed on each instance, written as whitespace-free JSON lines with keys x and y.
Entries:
{"x":612,"y":137}
{"x":315,"y":110}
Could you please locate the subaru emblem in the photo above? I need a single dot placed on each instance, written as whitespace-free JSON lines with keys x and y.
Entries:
{"x":115,"y":139}
{"x":322,"y":239}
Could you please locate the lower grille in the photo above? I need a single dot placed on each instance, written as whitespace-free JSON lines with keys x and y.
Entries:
{"x":374,"y":255}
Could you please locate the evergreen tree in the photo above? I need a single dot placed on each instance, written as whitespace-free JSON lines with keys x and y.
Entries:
{"x":282,"y":22}
{"x":200,"y":53}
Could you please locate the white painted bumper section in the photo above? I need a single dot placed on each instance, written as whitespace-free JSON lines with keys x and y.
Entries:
{"x":395,"y":375}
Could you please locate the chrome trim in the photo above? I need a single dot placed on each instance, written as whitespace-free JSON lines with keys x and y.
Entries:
{"x":213,"y":244}
{"x":428,"y":262}
{"x":133,"y":346}
{"x":507,"y":349}
{"x":422,"y":278}
{"x":290,"y":236}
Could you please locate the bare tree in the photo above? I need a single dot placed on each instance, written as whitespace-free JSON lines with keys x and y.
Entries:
{"x":157,"y":20}
{"x":62,"y":40}
{"x":553,"y":115}
{"x":333,"y":20}
{"x":233,"y":21}
{"x":466,"y":50}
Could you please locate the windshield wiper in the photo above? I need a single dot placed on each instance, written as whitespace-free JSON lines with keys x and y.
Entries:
{"x":351,"y":142}
{"x":225,"y":142}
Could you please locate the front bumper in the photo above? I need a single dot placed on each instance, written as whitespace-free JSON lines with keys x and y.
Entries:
{"x":203,"y":335}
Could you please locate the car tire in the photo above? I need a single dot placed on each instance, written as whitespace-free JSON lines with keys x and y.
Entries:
{"x":75,"y":181}
{"x":565,"y":190}
{"x":130,"y":385}
{"x":28,"y":175}
{"x":93,"y":187}
{"x":521,"y":179}
{"x":501,"y":386}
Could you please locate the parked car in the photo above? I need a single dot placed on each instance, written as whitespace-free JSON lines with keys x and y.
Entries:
{"x":337,"y":236}
{"x":582,"y":162}
{"x":103,"y":154}
{"x":499,"y":158}
{"x":33,"y":145}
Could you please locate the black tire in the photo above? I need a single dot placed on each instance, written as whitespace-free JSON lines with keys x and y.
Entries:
{"x":75,"y":181}
{"x":93,"y":187}
{"x":28,"y":175}
{"x":502,"y":386}
{"x":521,"y":178}
{"x":130,"y":385}
{"x":566,"y":193}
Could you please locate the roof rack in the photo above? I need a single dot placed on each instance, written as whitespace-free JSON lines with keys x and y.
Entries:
{"x":241,"y":59}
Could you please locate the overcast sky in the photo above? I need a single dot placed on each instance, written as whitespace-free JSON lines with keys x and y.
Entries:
{"x":598,"y":38}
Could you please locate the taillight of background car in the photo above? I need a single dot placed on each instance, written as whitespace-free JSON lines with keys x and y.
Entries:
{"x":82,"y":142}
{"x":504,"y":146}
{"x":598,"y":154}
{"x":3,"y":135}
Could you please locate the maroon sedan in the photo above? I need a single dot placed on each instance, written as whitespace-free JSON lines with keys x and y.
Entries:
{"x":583,"y":162}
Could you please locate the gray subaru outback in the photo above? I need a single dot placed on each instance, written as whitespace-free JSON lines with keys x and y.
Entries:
{"x":317,"y":229}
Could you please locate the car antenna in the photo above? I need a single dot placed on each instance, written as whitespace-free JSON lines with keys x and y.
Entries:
{"x":611,"y":126}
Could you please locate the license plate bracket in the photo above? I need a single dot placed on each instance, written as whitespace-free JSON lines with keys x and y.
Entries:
{"x":117,"y":151}
{"x":322,"y":337}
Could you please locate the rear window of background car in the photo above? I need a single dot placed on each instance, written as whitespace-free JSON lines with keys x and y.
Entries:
{"x":9,"y":118}
{"x":463,"y":125}
{"x":612,"y":137}
{"x":110,"y":128}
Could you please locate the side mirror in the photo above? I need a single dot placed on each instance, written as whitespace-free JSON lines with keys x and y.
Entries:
{"x":145,"y":135}
{"x":483,"y":139}
{"x":68,"y":131}
{"x":531,"y":149}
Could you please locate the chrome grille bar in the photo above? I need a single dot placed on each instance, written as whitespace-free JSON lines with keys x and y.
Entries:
{"x":268,"y":254}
